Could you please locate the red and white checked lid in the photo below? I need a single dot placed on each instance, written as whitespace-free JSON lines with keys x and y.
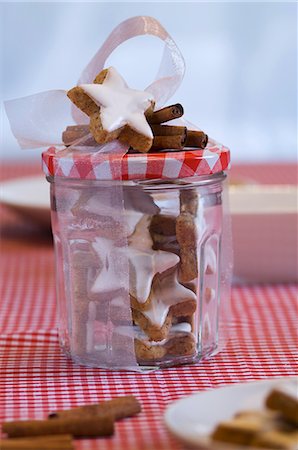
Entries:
{"x":167,"y":165}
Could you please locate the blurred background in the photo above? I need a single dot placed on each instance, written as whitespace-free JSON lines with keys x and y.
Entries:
{"x":241,"y":58}
{"x":240,"y":87}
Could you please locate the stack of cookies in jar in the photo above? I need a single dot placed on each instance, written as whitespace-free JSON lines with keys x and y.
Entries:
{"x":160,"y":246}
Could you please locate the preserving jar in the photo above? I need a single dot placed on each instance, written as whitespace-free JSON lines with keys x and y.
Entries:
{"x":142,"y":275}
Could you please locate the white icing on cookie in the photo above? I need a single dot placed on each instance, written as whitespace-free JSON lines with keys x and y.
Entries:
{"x":137,"y":333}
{"x":107,"y":279}
{"x":183,"y":327}
{"x":166,"y":291}
{"x":120,"y":105}
{"x":145,"y":265}
{"x":141,"y":238}
{"x":132,"y":218}
{"x":175,"y":331}
{"x":144,"y":261}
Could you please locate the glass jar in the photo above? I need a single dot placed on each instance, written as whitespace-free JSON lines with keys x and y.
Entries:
{"x":139,"y":267}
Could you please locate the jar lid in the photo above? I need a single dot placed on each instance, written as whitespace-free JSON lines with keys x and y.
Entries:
{"x":135,"y":166}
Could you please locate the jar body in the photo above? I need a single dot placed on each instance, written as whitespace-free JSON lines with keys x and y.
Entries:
{"x":139,"y":270}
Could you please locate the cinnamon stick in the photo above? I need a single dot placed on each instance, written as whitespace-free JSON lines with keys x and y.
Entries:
{"x":168,"y":142}
{"x":78,"y":427}
{"x":166,"y":114}
{"x":168,"y":130}
{"x":197,"y":139}
{"x":56,"y":442}
{"x":119,"y":408}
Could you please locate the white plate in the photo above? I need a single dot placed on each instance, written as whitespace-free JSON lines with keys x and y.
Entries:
{"x":253,"y":199}
{"x":28,"y":196}
{"x":193,"y":418}
{"x":264,"y":227}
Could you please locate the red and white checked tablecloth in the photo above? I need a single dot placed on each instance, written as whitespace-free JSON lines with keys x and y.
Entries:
{"x":36,"y":378}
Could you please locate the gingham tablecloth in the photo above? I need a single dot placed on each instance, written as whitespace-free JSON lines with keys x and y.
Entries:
{"x":35,"y":377}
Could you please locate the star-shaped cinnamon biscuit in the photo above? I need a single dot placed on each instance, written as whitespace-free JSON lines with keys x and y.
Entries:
{"x":144,"y":262}
{"x":166,"y":292}
{"x":115,"y":110}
